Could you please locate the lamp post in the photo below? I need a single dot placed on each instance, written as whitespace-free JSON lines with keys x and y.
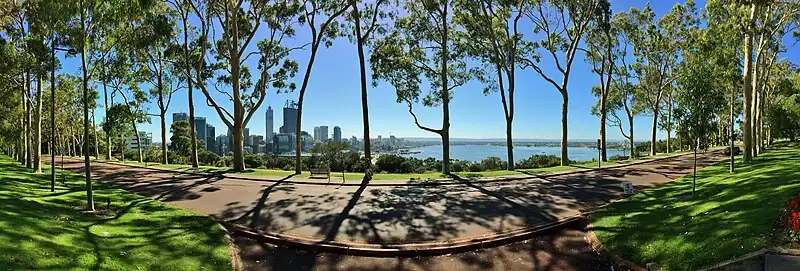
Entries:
{"x":53,"y":50}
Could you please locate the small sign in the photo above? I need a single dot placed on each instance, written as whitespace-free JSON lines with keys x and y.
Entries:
{"x":627,"y":188}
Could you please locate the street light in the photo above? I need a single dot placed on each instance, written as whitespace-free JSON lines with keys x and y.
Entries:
{"x":53,"y":112}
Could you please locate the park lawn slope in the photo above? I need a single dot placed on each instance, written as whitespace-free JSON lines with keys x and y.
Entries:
{"x":40,"y":230}
{"x":729,"y":217}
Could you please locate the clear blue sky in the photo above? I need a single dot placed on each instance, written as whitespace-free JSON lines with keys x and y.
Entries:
{"x":333,"y":99}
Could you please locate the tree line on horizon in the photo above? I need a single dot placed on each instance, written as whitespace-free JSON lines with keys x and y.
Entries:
{"x":694,"y":71}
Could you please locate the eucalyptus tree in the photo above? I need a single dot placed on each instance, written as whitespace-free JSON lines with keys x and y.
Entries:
{"x":560,"y":25}
{"x":155,"y":54}
{"x":424,"y":45}
{"x":600,"y":44}
{"x":186,"y":61}
{"x":699,"y":97}
{"x":492,"y":35}
{"x":367,"y":21}
{"x":724,"y":28}
{"x":239,"y":22}
{"x":321,"y":19}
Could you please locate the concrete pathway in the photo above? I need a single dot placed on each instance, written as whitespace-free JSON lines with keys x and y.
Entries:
{"x":385,"y":215}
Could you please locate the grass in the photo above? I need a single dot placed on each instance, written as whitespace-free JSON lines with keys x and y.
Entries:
{"x":41,"y":230}
{"x":397,"y":176}
{"x":731,"y":215}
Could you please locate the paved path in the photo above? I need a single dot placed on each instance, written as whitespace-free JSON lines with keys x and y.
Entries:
{"x":392,"y":214}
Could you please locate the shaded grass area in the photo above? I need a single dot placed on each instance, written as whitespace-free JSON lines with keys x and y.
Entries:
{"x":731,"y":215}
{"x":396,"y":176}
{"x":43,"y":230}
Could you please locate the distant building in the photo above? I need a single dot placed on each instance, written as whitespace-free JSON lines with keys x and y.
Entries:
{"x":337,"y":134}
{"x":323,"y":133}
{"x":290,"y":112}
{"x":176,"y":117}
{"x":222,"y":146}
{"x":316,"y":134}
{"x":256,"y":141}
{"x":201,"y":133}
{"x":211,"y":142}
{"x":147,"y":140}
{"x":270,"y":124}
{"x":247,"y":141}
{"x":284,"y":143}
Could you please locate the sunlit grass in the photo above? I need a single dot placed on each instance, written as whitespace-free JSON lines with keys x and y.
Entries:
{"x":729,"y":216}
{"x":40,"y":230}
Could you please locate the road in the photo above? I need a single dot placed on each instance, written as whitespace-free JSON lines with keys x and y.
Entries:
{"x":393,"y":214}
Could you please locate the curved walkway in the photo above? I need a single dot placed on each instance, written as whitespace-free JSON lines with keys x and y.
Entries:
{"x":393,"y":217}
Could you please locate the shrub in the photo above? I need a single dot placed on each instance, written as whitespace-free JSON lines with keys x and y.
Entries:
{"x":253,"y":161}
{"x":476,"y":167}
{"x":539,"y":161}
{"x":391,"y":163}
{"x":493,"y":163}
{"x":207,"y":158}
{"x":618,"y":158}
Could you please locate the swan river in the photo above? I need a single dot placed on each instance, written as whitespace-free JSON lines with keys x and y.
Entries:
{"x":478,"y":152}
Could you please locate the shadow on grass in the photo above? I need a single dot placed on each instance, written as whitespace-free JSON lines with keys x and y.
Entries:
{"x":728,"y":217}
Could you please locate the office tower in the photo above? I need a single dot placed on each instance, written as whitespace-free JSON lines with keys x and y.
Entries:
{"x":316,"y":134}
{"x":176,"y":117}
{"x":323,"y":133}
{"x":200,"y":130}
{"x":247,"y":141}
{"x":147,"y":140}
{"x":222,"y":145}
{"x":337,"y":134}
{"x":289,"y":118}
{"x":210,"y":137}
{"x":270,"y":124}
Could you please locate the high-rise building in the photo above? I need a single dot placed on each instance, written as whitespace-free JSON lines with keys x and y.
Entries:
{"x":270,"y":124}
{"x":176,"y":117}
{"x":147,"y":140}
{"x":200,"y":130}
{"x":211,"y":136}
{"x":337,"y":134}
{"x":316,"y":134}
{"x":222,"y":145}
{"x":323,"y":133}
{"x":247,"y":141}
{"x":289,"y":118}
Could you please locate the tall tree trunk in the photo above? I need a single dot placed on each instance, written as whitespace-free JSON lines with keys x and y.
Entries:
{"x":655,"y":129}
{"x":37,"y":144}
{"x":732,"y":131}
{"x":669,"y":121}
{"x":445,"y":94}
{"x":28,"y":123}
{"x":363,"y":73}
{"x":238,"y":147}
{"x":94,"y":131}
{"x":85,"y":71}
{"x":52,"y":117}
{"x":108,"y":136}
{"x":193,"y":158}
{"x":630,"y":131}
{"x":756,"y":85}
{"x":748,"y":88}
{"x":603,"y":113}
{"x":564,"y":142}
{"x":164,"y":151}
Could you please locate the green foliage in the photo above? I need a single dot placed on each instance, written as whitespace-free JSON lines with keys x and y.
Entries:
{"x":539,"y":161}
{"x":181,"y":139}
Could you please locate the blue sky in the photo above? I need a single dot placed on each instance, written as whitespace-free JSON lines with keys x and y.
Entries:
{"x":333,"y":99}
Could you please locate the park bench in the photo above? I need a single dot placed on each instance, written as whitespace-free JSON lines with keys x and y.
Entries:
{"x":321,"y":171}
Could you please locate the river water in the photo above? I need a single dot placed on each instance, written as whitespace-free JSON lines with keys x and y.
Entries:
{"x":478,"y":152}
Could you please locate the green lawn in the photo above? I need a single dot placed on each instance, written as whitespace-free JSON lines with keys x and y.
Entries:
{"x":397,"y":176}
{"x":729,"y":217}
{"x":40,"y":230}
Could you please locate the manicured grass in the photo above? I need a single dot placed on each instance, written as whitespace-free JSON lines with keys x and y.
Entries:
{"x":729,"y":217}
{"x":40,"y":230}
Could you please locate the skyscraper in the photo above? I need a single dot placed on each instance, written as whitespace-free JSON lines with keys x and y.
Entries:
{"x":200,"y":130}
{"x":316,"y":134}
{"x":270,"y":124}
{"x":323,"y":133}
{"x":179,"y":117}
{"x":211,"y":133}
{"x":289,"y":118}
{"x":247,"y":141}
{"x":337,"y":134}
